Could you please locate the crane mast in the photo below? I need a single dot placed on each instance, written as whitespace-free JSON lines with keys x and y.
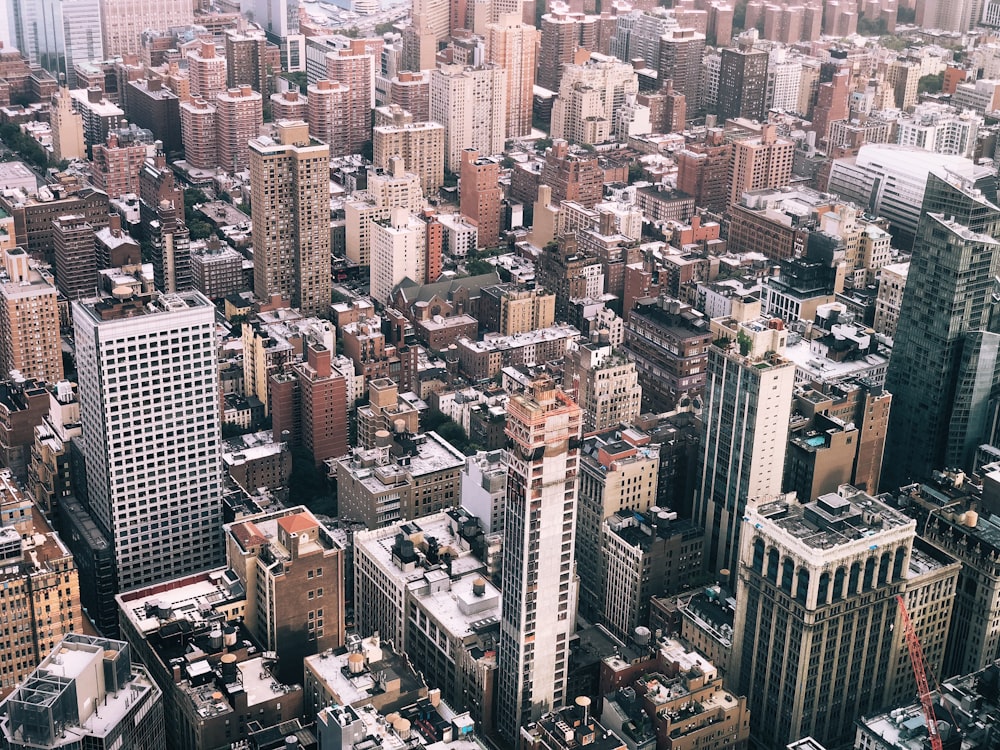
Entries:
{"x":920,"y":674}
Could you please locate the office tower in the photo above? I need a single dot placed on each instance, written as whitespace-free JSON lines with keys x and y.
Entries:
{"x":327,"y":109}
{"x":39,"y":585}
{"x":511,"y":43}
{"x":57,"y":34}
{"x":29,"y":321}
{"x":538,"y":593}
{"x":946,"y":347}
{"x":764,"y":161}
{"x":67,"y":127}
{"x":742,"y":82}
{"x":747,"y":402}
{"x":95,"y":696}
{"x":827,"y":571}
{"x":246,"y":59}
{"x":480,"y":195}
{"x":681,"y":51}
{"x":151,"y":431}
{"x":398,"y":252}
{"x":559,"y":38}
{"x":590,"y":95}
{"x":238,"y":116}
{"x":116,"y":163}
{"x":471,"y":103}
{"x":76,"y":257}
{"x":123,"y":21}
{"x":703,"y":170}
{"x":615,"y":475}
{"x":289,"y":181}
{"x":198,"y":134}
{"x":354,"y":68}
{"x":206,"y":72}
{"x":280,"y":21}
{"x":170,"y":240}
{"x":421,"y":145}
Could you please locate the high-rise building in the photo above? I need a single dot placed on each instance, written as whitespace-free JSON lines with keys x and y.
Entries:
{"x":123,"y":21}
{"x":828,"y":572}
{"x":29,"y":321}
{"x":327,"y":108}
{"x":86,"y":693}
{"x":681,"y":51}
{"x":57,"y":34}
{"x":289,"y":181}
{"x":199,"y":134}
{"x":117,"y":162}
{"x":354,"y":68}
{"x":559,"y":39}
{"x":511,"y":43}
{"x":703,"y":170}
{"x":590,"y":96}
{"x":480,"y":195}
{"x":149,"y":404}
{"x":764,"y":161}
{"x":398,"y":252}
{"x":742,"y":82}
{"x":76,"y":259}
{"x":289,"y":105}
{"x":538,"y":610}
{"x":471,"y":103}
{"x":615,"y":475}
{"x":39,"y":585}
{"x":420,"y":144}
{"x":606,"y":385}
{"x":246,"y":59}
{"x":206,"y":71}
{"x":573,"y":175}
{"x":947,"y":345}
{"x":412,"y":92}
{"x":67,"y":127}
{"x":747,"y":402}
{"x":238,"y":117}
{"x":280,"y":21}
{"x":171,"y":246}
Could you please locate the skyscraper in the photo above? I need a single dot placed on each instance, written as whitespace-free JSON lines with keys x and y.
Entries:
{"x":149,"y":405}
{"x":471,"y":103}
{"x":764,"y":161}
{"x":480,"y":195}
{"x":290,"y":207}
{"x":355,"y":68}
{"x":238,"y":116}
{"x":742,"y":81}
{"x":510,"y":43}
{"x":58,"y":34}
{"x":748,"y":401}
{"x":76,"y":259}
{"x":539,"y":592}
{"x":945,"y":354}
{"x":280,"y":21}
{"x":815,"y":624}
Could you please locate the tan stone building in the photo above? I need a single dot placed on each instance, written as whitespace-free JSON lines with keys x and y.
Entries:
{"x":421,"y":144}
{"x":764,"y":161}
{"x":39,"y":587}
{"x":29,"y":321}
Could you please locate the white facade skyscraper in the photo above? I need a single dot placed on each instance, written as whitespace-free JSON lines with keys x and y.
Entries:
{"x":123,"y":21}
{"x":538,"y":610}
{"x":149,"y":405}
{"x":471,"y":103}
{"x":748,"y":402}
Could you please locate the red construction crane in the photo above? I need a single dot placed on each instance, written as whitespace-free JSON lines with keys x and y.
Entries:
{"x":920,"y":673}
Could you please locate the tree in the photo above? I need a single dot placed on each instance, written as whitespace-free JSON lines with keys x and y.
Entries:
{"x":906,"y":15}
{"x":69,"y":366}
{"x":931,"y":83}
{"x":870,"y":27}
{"x":384,"y":28}
{"x":299,"y":78}
{"x":477,"y":267}
{"x":199,"y":230}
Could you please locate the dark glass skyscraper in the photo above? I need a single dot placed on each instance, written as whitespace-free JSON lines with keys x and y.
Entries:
{"x":943,"y":370}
